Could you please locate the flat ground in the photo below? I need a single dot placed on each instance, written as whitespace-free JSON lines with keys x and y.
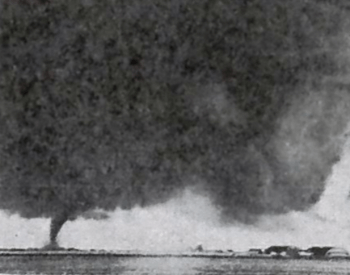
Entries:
{"x":132,"y":265}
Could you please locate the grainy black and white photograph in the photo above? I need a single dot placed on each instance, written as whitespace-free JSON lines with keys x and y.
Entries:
{"x":174,"y":137}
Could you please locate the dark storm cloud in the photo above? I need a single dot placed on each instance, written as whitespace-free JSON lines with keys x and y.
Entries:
{"x":122,"y":104}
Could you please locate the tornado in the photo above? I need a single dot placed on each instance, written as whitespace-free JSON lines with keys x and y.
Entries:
{"x":127,"y":104}
{"x":56,"y":224}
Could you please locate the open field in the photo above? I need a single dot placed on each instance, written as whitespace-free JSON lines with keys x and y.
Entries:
{"x":168,"y":265}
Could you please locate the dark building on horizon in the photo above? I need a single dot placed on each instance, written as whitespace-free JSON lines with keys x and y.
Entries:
{"x":319,"y":251}
{"x":288,"y":251}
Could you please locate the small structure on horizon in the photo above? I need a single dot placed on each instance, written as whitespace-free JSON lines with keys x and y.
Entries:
{"x":337,"y":252}
{"x":255,"y":251}
{"x":319,"y":251}
{"x":199,"y":248}
{"x":283,"y":251}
